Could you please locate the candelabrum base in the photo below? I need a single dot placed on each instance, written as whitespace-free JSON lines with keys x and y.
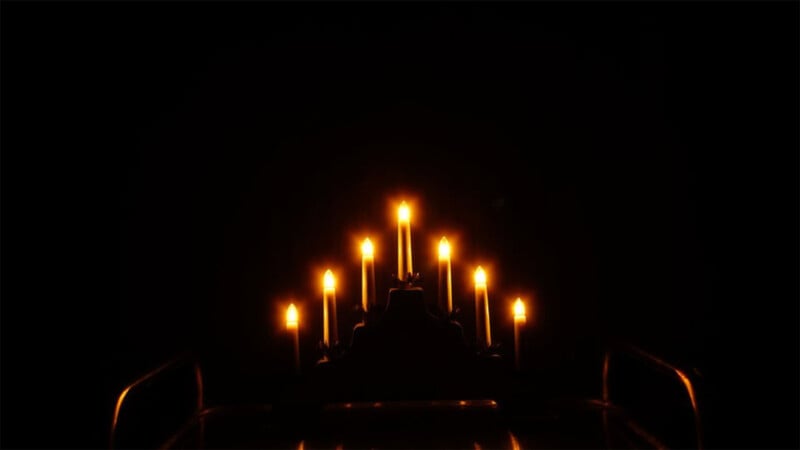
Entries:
{"x":405,"y":352}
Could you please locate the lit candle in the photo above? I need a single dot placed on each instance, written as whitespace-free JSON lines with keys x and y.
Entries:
{"x":291,"y":325}
{"x":329,"y":302}
{"x":519,"y":321}
{"x":445,"y":277}
{"x":482,"y":323}
{"x":404,"y":266}
{"x":367,"y":275}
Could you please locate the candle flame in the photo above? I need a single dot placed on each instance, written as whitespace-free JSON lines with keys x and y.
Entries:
{"x":291,"y":316}
{"x":519,"y":310}
{"x":480,"y":277}
{"x":444,"y":248}
{"x":328,"y":281}
{"x":367,"y":249}
{"x":403,"y":213}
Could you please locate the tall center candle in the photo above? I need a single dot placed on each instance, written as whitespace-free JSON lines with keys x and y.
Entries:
{"x":483,"y":329}
{"x":367,"y":275}
{"x":445,"y":277}
{"x":404,"y":266}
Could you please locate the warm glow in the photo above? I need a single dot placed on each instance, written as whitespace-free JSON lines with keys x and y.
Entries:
{"x":367,"y":249}
{"x":514,"y":442}
{"x":444,"y":248}
{"x":480,"y":277}
{"x":519,"y":310}
{"x":328,"y":281}
{"x":291,"y":316}
{"x":403,"y":213}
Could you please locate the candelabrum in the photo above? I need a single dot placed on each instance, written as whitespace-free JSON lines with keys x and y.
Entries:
{"x":403,"y":345}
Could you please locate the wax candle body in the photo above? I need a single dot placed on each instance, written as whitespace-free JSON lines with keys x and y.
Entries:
{"x":516,"y":343}
{"x":487,"y":321}
{"x":292,"y":326}
{"x":331,"y":294}
{"x":519,"y":321}
{"x":404,"y":265}
{"x":445,"y":278}
{"x":367,"y":276}
{"x":326,"y":333}
{"x":483,"y":329}
{"x":296,"y":335}
{"x":330,"y":329}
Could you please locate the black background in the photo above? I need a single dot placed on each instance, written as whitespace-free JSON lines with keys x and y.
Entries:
{"x":173,"y":172}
